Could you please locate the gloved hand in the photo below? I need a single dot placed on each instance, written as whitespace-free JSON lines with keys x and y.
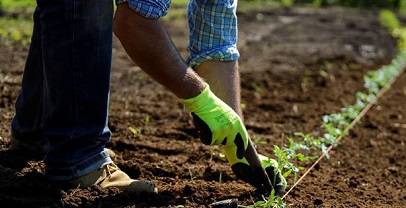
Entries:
{"x":218,"y":124}
{"x":250,"y":175}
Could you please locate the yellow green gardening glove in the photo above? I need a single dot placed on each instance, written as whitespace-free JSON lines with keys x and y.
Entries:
{"x":218,"y":124}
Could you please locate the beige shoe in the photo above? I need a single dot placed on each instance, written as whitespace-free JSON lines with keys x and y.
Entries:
{"x":111,"y":176}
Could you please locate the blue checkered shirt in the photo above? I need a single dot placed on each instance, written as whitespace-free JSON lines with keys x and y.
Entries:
{"x":212,"y":27}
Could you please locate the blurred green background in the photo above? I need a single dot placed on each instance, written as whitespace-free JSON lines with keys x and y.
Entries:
{"x":16,"y":15}
{"x":392,"y":4}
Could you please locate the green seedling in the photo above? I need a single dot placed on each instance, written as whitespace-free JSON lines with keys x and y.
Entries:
{"x":296,"y":146}
{"x":147,"y":119}
{"x":136,"y":131}
{"x":285,"y":158}
{"x":334,"y":121}
{"x":258,"y":90}
{"x":259,"y":140}
{"x":192,"y":178}
{"x":389,"y":20}
{"x":273,"y":201}
{"x":351,"y":112}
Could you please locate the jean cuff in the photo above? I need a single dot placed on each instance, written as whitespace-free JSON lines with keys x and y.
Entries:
{"x":224,"y":53}
{"x":82,"y":168}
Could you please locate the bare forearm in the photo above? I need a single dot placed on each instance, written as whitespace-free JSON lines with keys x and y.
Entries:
{"x":224,"y":79}
{"x":148,"y":44}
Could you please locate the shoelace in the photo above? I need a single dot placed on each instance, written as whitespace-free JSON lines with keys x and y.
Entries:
{"x":111,"y":168}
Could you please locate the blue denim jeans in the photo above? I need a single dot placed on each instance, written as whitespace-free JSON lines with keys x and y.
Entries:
{"x":65,"y":88}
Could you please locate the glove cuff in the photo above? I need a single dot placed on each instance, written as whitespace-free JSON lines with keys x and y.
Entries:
{"x":195,"y":104}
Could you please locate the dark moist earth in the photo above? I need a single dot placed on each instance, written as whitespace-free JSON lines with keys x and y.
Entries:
{"x":297,"y":65}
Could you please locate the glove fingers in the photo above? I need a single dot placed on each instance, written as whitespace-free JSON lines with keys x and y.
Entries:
{"x":277,"y":180}
{"x":245,"y":173}
{"x":238,"y":141}
{"x":250,"y":175}
{"x":234,"y":149}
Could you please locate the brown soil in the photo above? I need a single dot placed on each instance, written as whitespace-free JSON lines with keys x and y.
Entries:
{"x":297,"y":65}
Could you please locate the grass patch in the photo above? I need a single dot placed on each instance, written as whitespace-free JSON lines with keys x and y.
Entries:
{"x":250,"y":5}
{"x":16,"y":21}
{"x":11,"y":5}
{"x":15,"y":30}
{"x":178,"y":8}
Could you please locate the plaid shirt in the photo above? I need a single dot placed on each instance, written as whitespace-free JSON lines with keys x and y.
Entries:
{"x":212,"y":27}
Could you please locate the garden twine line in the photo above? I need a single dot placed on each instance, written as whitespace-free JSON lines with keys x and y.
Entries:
{"x":353,"y":123}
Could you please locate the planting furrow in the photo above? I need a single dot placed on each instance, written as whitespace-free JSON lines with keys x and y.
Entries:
{"x":337,"y":126}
